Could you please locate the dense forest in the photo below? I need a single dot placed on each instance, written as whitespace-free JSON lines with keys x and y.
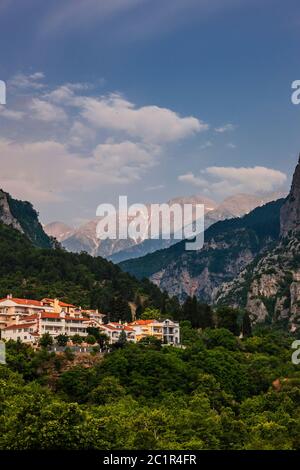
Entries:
{"x":218,"y":392}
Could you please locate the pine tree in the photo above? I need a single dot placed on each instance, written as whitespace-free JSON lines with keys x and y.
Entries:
{"x":246,"y":327}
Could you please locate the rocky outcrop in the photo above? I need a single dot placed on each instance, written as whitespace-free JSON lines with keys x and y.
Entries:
{"x":269,"y":288}
{"x":6,"y":216}
{"x":290,"y":211}
{"x":21,"y":216}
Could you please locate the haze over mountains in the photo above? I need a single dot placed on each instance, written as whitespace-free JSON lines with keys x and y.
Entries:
{"x":84,"y":237}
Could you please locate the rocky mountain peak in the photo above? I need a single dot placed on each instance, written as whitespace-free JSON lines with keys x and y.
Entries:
{"x":6,"y":216}
{"x":21,"y":216}
{"x":290,"y":211}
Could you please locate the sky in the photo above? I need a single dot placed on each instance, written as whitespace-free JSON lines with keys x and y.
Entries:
{"x":152,"y":99}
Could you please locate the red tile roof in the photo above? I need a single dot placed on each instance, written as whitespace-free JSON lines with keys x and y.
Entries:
{"x":50,"y":315}
{"x":20,"y":325}
{"x":117,"y":327}
{"x":109,"y":327}
{"x":127,"y":328}
{"x":28,"y":302}
{"x":61,"y":304}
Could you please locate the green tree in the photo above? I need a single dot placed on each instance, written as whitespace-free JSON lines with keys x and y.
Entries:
{"x":119,"y":310}
{"x":228,"y":317}
{"x":151,"y":314}
{"x":108,"y":391}
{"x":200,"y":315}
{"x":220,"y":337}
{"x":90,"y":339}
{"x":101,"y":338}
{"x":62,"y":340}
{"x":246,"y":325}
{"x":139,"y":307}
{"x":152,"y":342}
{"x":46,"y":340}
{"x":77,"y":339}
{"x":122,"y":341}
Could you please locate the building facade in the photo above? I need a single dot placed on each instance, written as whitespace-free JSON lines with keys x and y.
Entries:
{"x":27,"y":320}
{"x":167,"y":331}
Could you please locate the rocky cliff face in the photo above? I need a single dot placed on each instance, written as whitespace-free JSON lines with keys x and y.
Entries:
{"x":290,"y":212}
{"x":269,"y":287}
{"x":21,"y":216}
{"x":6,"y":216}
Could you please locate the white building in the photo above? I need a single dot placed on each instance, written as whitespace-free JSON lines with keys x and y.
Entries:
{"x":11,"y":307}
{"x":114,"y":329}
{"x":29,"y":328}
{"x":167,"y":331}
{"x":25,"y":332}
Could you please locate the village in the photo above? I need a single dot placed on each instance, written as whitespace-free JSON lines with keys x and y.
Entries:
{"x":28,"y":320}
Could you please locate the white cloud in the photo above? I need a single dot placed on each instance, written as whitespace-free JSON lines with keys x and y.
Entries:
{"x":11,"y":114}
{"x":45,"y":111}
{"x":231,"y":145}
{"x":88,"y":140}
{"x":229,"y":180}
{"x":46,"y":171}
{"x":81,"y":134}
{"x":37,"y":171}
{"x":190,"y":178}
{"x":64,"y":94}
{"x":31,"y":81}
{"x":225,"y":128}
{"x":126,"y":161}
{"x":148,"y":123}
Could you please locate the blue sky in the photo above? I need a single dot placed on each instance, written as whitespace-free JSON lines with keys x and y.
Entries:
{"x":152,"y":99}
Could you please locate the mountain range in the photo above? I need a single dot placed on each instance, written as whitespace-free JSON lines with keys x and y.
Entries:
{"x":252,"y":262}
{"x":84,"y":239}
